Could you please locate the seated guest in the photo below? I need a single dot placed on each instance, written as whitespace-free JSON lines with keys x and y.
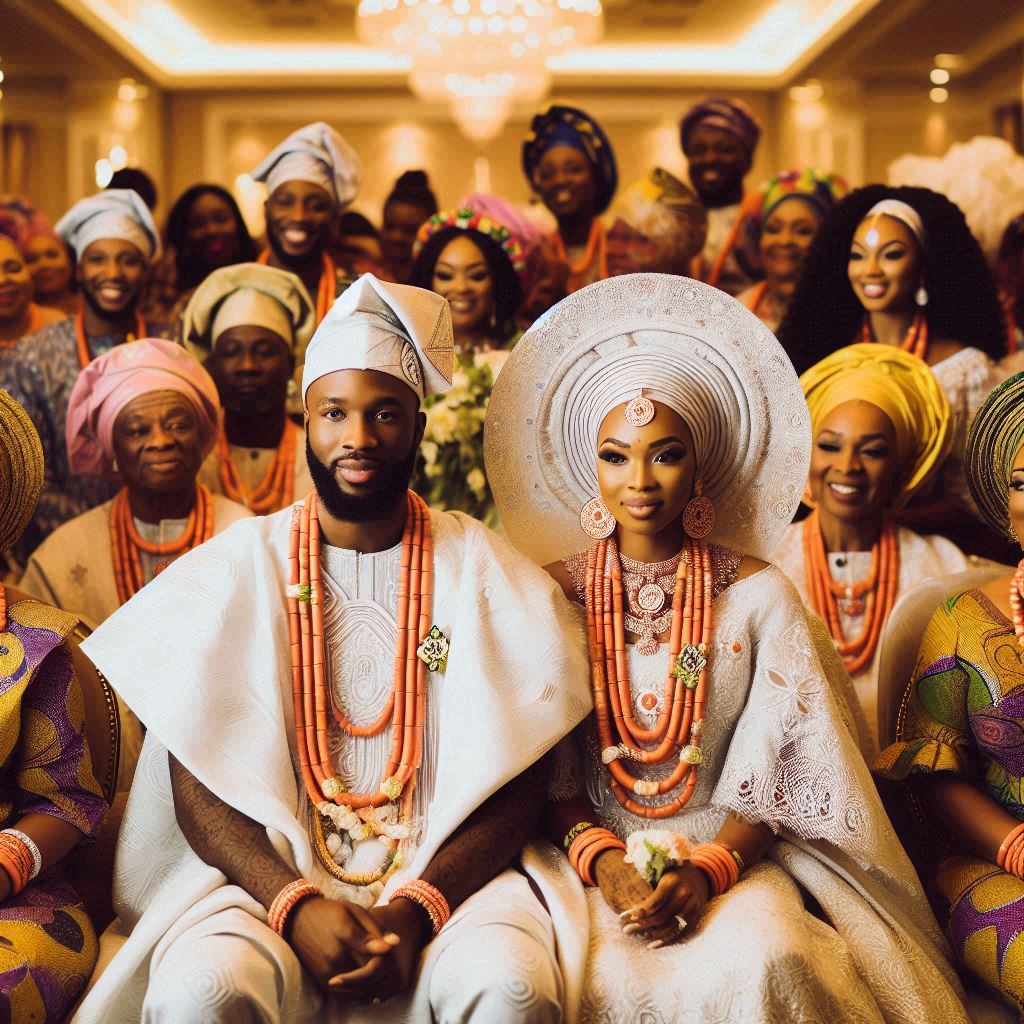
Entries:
{"x":311,"y":177}
{"x":146,"y":415}
{"x":960,"y":726}
{"x":657,"y":226}
{"x":309,"y":865}
{"x":51,"y":798}
{"x":880,"y":427}
{"x":410,"y":203}
{"x":784,"y":218}
{"x":19,"y":315}
{"x":115,"y":239}
{"x":570,"y":164}
{"x":250,"y":326}
{"x":738,"y":863}
{"x":205,"y":230}
{"x":719,"y":137}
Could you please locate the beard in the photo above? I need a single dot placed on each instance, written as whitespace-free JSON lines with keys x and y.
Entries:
{"x":313,"y":256}
{"x":389,"y":489}
{"x":105,"y":314}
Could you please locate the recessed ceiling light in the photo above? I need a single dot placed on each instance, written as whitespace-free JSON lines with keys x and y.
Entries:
{"x":939,"y":76}
{"x":939,"y":95}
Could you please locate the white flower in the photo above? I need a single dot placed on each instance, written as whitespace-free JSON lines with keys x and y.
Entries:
{"x":654,"y":851}
{"x":477,"y":482}
{"x":429,"y":450}
{"x":441,"y":423}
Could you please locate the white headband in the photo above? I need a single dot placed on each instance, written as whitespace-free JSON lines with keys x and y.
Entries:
{"x":903,"y":212}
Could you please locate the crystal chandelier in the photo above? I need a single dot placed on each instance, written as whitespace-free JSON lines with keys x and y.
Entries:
{"x":479,"y":56}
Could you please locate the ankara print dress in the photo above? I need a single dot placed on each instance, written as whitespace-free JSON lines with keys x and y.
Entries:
{"x":963,"y":713}
{"x":47,"y":942}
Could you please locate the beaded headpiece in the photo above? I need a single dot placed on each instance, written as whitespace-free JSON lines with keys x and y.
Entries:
{"x":466,"y":219}
{"x":996,"y":436}
{"x":21,"y":470}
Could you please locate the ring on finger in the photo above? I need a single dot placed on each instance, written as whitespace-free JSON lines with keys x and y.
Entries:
{"x":680,"y":922}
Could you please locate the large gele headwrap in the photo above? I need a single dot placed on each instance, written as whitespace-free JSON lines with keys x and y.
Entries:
{"x":996,"y":436}
{"x":318,"y":154}
{"x":819,"y":188}
{"x":559,"y":125}
{"x":904,"y":388}
{"x":114,"y":213}
{"x":690,"y":347}
{"x":21,"y":470}
{"x":729,"y":114}
{"x":901,"y":211}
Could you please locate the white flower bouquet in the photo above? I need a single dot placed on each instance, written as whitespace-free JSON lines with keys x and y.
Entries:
{"x":654,"y":851}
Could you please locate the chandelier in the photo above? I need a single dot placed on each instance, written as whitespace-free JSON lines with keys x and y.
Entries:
{"x":479,"y":56}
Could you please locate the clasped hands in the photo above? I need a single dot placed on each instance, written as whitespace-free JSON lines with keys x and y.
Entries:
{"x":653,"y":913}
{"x":360,"y":955}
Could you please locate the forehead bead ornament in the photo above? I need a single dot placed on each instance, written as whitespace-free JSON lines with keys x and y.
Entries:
{"x":639,"y":410}
{"x":596,"y":520}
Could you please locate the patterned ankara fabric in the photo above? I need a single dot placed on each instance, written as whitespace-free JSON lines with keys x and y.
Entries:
{"x":40,"y":372}
{"x":963,"y":713}
{"x":47,"y":943}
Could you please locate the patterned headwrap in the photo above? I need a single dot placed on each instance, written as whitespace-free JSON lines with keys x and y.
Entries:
{"x":568,"y":126}
{"x":21,"y":470}
{"x":466,"y":219}
{"x":904,"y":388}
{"x":117,"y":377}
{"x":21,"y":221}
{"x":818,"y":188}
{"x":318,"y":154}
{"x":659,"y":203}
{"x":113,"y":213}
{"x":996,"y":436}
{"x":731,"y":115}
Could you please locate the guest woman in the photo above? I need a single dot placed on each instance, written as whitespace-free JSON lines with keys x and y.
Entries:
{"x":145,"y":414}
{"x":880,"y":430}
{"x":719,"y":756}
{"x":569,"y":162}
{"x":784,"y":218}
{"x":51,"y":799}
{"x":959,"y":738}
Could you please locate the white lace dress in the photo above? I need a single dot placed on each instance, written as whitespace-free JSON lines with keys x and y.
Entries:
{"x":779,"y":748}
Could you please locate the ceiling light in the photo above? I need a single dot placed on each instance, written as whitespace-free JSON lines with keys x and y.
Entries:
{"x":949,"y":61}
{"x":939,"y":76}
{"x":939,"y":95}
{"x":810,"y":92}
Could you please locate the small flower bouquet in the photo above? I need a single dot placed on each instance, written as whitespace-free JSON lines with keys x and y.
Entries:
{"x":653,"y":852}
{"x":450,"y":473}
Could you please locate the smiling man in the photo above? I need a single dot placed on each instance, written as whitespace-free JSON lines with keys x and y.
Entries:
{"x":310,"y":177}
{"x":350,"y":736}
{"x":115,"y":240}
{"x":250,"y":325}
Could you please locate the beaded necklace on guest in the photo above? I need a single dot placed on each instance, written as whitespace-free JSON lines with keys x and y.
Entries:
{"x":127,"y":544}
{"x":596,"y":250}
{"x":916,"y":341}
{"x":405,"y":711}
{"x":878,"y":591}
{"x":275,"y":490}
{"x":1016,"y":603}
{"x":676,"y":734}
{"x":326,"y":289}
{"x":85,"y":355}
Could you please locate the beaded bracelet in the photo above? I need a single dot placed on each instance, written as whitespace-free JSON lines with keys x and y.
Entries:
{"x":16,"y":861}
{"x":37,"y":857}
{"x":285,"y":901}
{"x":717,"y":862}
{"x":586,"y":847}
{"x":1011,"y":852}
{"x":430,"y":898}
{"x":577,"y":829}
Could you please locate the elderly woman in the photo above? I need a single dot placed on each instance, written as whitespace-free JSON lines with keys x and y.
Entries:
{"x":960,"y":727}
{"x":51,"y":799}
{"x":784,"y":218}
{"x":250,"y":324}
{"x":145,"y":414}
{"x":657,"y":226}
{"x":763,"y":882}
{"x":569,"y":162}
{"x":880,"y":427}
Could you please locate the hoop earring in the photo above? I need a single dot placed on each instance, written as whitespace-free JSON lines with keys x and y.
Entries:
{"x":699,"y":514}
{"x":596,"y":520}
{"x":921,"y":295}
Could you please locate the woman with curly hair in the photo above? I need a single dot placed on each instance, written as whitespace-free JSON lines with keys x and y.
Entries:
{"x":899,"y":266}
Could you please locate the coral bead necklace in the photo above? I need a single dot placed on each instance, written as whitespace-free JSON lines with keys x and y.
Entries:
{"x":82,"y":339}
{"x":916,"y":341}
{"x":275,"y":490}
{"x":677,"y":732}
{"x":878,"y":590}
{"x":1016,"y":602}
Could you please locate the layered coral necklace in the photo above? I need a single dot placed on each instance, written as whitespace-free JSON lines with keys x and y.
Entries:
{"x":327,"y":287}
{"x":405,"y":710}
{"x":128,"y":545}
{"x":916,"y":341}
{"x":82,"y":339}
{"x":676,"y":733}
{"x":1016,"y":602}
{"x":275,"y":490}
{"x":873,"y":597}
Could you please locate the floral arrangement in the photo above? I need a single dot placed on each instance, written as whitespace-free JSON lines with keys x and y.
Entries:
{"x":653,"y":852}
{"x":450,"y":473}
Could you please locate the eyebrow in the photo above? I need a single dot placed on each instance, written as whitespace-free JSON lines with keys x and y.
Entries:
{"x":861,"y":439}
{"x":380,"y":403}
{"x":469,"y":266}
{"x":1017,"y":469}
{"x":671,"y":439}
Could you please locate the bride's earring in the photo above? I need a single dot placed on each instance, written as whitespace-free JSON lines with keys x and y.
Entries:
{"x":596,"y":520}
{"x":699,"y":514}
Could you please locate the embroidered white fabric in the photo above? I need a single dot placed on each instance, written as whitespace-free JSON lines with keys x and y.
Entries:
{"x":779,"y":748}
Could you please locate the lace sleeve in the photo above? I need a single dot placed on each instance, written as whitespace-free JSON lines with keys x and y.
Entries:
{"x":576,"y":565}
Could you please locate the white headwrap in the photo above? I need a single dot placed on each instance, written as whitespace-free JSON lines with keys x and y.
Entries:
{"x":901,"y":211}
{"x":115,"y":213}
{"x":318,"y":154}
{"x":692,"y":348}
{"x":393,"y":328}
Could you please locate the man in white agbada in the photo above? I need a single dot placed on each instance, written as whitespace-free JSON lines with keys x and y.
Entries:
{"x":221,"y":819}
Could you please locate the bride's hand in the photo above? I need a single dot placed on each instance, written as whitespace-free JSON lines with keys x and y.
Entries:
{"x":681,"y":895}
{"x":620,"y":884}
